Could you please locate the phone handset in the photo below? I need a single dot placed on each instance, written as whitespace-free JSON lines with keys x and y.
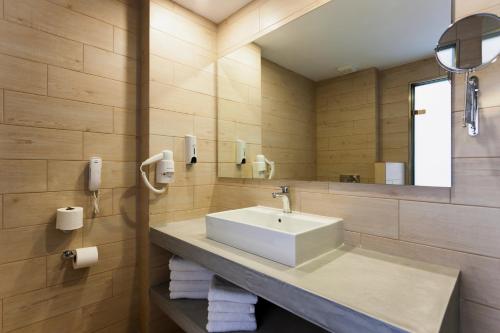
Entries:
{"x":164,"y":170}
{"x":95,"y":167}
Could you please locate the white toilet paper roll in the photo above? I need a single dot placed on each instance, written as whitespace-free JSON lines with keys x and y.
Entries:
{"x":69,"y":218}
{"x":85,"y":257}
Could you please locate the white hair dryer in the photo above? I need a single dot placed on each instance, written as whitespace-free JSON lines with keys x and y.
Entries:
{"x":164,"y":170}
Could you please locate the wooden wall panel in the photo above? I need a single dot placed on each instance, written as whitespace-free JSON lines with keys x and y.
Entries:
{"x":238,"y":74}
{"x":347,"y":109}
{"x":85,"y":52}
{"x":288,"y":122}
{"x":394,"y":122}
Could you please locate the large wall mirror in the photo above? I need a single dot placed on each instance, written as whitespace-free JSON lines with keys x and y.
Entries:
{"x":350,"y":92}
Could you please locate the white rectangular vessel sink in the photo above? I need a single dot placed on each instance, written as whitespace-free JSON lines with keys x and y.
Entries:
{"x":289,"y":239}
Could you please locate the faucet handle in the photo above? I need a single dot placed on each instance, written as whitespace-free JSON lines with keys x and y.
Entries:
{"x":284,"y":188}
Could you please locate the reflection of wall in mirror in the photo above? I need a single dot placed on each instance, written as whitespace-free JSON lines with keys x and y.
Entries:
{"x":288,"y":133}
{"x":239,"y":109}
{"x":346,"y":109}
{"x":394,"y":107}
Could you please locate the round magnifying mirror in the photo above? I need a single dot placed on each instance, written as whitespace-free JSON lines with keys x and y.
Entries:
{"x":469,"y":43}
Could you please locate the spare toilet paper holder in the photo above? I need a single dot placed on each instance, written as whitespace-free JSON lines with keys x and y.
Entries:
{"x":68,"y":254}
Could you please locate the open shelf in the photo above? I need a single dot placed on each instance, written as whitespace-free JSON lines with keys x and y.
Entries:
{"x":191,"y":315}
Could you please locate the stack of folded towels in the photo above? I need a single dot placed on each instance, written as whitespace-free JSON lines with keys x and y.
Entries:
{"x":188,"y":280}
{"x":230,"y":308}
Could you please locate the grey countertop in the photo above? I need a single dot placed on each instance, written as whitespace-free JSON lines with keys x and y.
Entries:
{"x":346,"y":290}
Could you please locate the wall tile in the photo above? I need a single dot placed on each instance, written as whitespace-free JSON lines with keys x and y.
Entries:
{"x":167,"y":46}
{"x":23,"y":176}
{"x":42,"y":304}
{"x":22,"y":276}
{"x":108,"y":64}
{"x":39,"y":143}
{"x":368,"y":215}
{"x":463,"y":228}
{"x":478,"y":318}
{"x":124,"y":42}
{"x":42,"y":15}
{"x":17,"y":40}
{"x":35,"y":241}
{"x":479,"y":281}
{"x":42,"y":111}
{"x":170,"y":123}
{"x":169,"y":22}
{"x":68,"y":322}
{"x":67,"y":175}
{"x":125,"y":121}
{"x":483,"y":145}
{"x":82,"y":87}
{"x":172,"y":98}
{"x":415,"y":193}
{"x":476,"y":181}
{"x":109,"y":311}
{"x":109,"y":11}
{"x":117,"y":147}
{"x":124,"y":202}
{"x":119,"y":174}
{"x":108,"y":229}
{"x":464,"y":8}
{"x":203,"y":196}
{"x":177,"y":198}
{"x":23,"y":75}
{"x":27,"y":209}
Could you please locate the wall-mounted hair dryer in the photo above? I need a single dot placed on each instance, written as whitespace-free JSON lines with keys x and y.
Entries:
{"x":164,"y":170}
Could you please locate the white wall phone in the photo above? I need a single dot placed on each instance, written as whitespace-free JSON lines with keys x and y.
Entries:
{"x":164,"y":170}
{"x":95,"y":167}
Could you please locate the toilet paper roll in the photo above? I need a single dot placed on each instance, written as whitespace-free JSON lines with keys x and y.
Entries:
{"x":69,"y":218}
{"x":85,"y":257}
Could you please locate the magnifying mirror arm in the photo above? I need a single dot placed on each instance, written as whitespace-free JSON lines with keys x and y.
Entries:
{"x":471,"y":109}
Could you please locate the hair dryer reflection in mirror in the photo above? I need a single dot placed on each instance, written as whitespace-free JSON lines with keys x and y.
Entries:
{"x":263,"y":166}
{"x":164,"y":170}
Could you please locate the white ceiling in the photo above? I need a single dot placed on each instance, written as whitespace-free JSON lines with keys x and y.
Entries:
{"x":214,"y":10}
{"x":358,"y":33}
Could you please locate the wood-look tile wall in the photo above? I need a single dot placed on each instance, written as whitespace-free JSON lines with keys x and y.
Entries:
{"x":346,"y":126}
{"x":182,"y":101}
{"x":258,"y":18}
{"x":394,"y":90}
{"x":288,"y":122}
{"x":239,"y":109}
{"x":456,"y":227}
{"x":67,"y":92}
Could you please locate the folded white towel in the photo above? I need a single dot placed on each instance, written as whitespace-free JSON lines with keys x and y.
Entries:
{"x":178,"y":264}
{"x":230,"y":316}
{"x":188,"y":294}
{"x":232,"y":307}
{"x":222,"y":290}
{"x":190,"y":276}
{"x":178,"y":285}
{"x":229,"y":326}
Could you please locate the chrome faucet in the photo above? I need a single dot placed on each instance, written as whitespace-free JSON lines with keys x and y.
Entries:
{"x":285,"y":197}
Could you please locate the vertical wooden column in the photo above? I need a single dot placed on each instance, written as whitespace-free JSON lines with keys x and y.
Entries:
{"x":143,"y":153}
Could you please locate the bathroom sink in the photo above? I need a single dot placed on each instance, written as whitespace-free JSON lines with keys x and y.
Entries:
{"x":289,"y":239}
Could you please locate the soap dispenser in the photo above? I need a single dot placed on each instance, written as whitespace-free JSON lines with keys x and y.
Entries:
{"x":241,"y":147}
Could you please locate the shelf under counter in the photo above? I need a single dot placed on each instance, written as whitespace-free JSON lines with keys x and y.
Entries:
{"x":345,"y":290}
{"x":191,"y":315}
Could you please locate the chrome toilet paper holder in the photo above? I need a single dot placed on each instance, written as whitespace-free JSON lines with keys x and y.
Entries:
{"x":68,"y":254}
